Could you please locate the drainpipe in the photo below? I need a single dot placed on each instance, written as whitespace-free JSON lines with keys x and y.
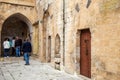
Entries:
{"x":63,"y":32}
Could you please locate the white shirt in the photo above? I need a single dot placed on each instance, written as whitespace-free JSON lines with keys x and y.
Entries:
{"x":13,"y":43}
{"x":6,"y":44}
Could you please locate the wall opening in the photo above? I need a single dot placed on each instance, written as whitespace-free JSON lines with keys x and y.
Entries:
{"x":85,"y":53}
{"x":16,"y":25}
{"x":57,"y":52}
{"x":49,"y":49}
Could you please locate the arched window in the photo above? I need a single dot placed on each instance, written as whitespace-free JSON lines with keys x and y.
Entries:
{"x":57,"y":46}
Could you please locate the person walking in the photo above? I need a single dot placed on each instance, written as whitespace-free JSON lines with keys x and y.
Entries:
{"x":6,"y":46}
{"x":27,"y":48}
{"x":17,"y":46}
{"x":10,"y":42}
{"x":22,"y":50}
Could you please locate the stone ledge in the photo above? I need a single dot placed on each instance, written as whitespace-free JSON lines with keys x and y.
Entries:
{"x":57,"y":60}
{"x":20,"y":3}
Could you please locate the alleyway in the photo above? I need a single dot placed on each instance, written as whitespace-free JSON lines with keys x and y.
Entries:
{"x":14,"y":69}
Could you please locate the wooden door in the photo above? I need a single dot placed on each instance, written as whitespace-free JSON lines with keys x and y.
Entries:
{"x":85,"y":53}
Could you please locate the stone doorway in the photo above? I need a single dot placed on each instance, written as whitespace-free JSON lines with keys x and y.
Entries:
{"x":85,"y":53}
{"x":15,"y":25}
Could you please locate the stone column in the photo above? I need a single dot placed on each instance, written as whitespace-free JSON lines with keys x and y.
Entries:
{"x":1,"y":23}
{"x":35,"y":39}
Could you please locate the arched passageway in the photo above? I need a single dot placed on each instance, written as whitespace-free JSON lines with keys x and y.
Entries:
{"x":16,"y":25}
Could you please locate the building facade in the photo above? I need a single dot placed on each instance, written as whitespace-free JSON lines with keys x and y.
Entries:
{"x":81,"y":36}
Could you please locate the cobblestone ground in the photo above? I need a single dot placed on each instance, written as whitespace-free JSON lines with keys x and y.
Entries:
{"x":14,"y":69}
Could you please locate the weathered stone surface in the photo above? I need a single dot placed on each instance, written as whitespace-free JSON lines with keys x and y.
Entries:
{"x":14,"y":69}
{"x":101,"y":17}
{"x":67,"y":19}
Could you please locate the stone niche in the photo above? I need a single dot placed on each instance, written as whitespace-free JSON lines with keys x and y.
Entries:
{"x":57,"y":52}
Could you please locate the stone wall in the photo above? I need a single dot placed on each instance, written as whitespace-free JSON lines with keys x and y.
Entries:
{"x":51,"y":21}
{"x":8,"y":9}
{"x":20,"y":2}
{"x":101,"y":17}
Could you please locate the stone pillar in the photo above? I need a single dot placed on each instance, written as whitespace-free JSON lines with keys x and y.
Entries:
{"x":0,"y":40}
{"x":1,"y":23}
{"x":35,"y":39}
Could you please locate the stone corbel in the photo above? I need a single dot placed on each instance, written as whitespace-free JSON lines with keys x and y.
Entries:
{"x":36,"y":23}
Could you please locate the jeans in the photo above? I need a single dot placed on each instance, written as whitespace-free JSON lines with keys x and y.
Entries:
{"x":17,"y":51}
{"x":6,"y":52}
{"x":26,"y":56}
{"x":13,"y":51}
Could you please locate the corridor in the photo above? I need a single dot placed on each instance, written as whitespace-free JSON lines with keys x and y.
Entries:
{"x":14,"y":69}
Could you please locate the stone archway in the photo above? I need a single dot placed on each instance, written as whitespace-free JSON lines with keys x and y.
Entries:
{"x":16,"y":25}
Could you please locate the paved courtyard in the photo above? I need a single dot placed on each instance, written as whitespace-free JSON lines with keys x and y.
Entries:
{"x":14,"y":69}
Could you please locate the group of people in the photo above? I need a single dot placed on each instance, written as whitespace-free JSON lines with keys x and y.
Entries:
{"x":18,"y":48}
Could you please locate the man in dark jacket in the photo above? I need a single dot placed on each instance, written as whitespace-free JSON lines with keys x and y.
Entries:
{"x":18,"y":44}
{"x":27,"y":48}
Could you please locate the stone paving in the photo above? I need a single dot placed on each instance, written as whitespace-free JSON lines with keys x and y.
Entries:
{"x":14,"y":69}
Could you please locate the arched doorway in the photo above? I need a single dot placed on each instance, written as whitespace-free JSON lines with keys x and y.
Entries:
{"x":16,"y":25}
